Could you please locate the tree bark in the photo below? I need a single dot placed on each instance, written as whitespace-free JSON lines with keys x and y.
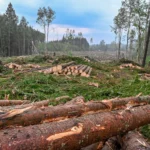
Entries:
{"x":134,"y":141}
{"x":119,"y":46}
{"x":146,"y":46}
{"x":76,"y":133}
{"x":6,"y":109}
{"x":13,"y":102}
{"x":95,"y":146}
{"x":75,"y":108}
{"x":111,"y":144}
{"x":147,"y":36}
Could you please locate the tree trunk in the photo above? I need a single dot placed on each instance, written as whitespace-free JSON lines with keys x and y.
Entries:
{"x":134,"y":141}
{"x":146,"y":46}
{"x":24,"y":43}
{"x":13,"y":102}
{"x":36,"y":115}
{"x":147,"y":35}
{"x":119,"y":47}
{"x":128,"y":33}
{"x":139,"y":42}
{"x":111,"y":144}
{"x":73,"y":134}
{"x":6,"y":109}
{"x":95,"y":146}
{"x":47,"y":32}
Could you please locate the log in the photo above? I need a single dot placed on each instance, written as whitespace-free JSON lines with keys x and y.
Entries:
{"x":62,"y":98}
{"x":88,"y":74}
{"x":76,"y":133}
{"x":83,"y":69}
{"x":95,"y":146}
{"x":127,"y":102}
{"x":43,"y":103}
{"x":85,"y":73}
{"x":76,"y":100}
{"x":73,"y":108}
{"x":47,"y":71}
{"x":13,"y":102}
{"x":111,"y":144}
{"x":134,"y":141}
{"x":67,"y":64}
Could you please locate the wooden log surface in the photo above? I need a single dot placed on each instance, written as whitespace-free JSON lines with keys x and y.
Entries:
{"x":88,"y":74}
{"x":13,"y":102}
{"x":134,"y":141}
{"x":67,"y":64}
{"x":111,"y":144}
{"x":76,"y":133}
{"x":95,"y":146}
{"x":43,"y":103}
{"x":74,"y":108}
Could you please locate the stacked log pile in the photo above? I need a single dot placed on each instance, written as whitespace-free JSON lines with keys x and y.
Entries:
{"x":76,"y":125}
{"x":69,"y":69}
{"x":62,"y":69}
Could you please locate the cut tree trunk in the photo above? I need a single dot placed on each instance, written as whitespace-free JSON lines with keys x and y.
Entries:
{"x":76,"y":133}
{"x":85,"y":73}
{"x":134,"y":141}
{"x":88,"y":74}
{"x":82,"y":68}
{"x":95,"y":146}
{"x":67,"y":64}
{"x":111,"y":144}
{"x":13,"y":102}
{"x":74,"y":108}
{"x":43,"y":103}
{"x":127,"y":102}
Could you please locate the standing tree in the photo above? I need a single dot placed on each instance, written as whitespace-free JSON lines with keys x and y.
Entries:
{"x":45,"y":17}
{"x":102,"y":45}
{"x":23,"y":25}
{"x":12,"y":21}
{"x":147,"y":37}
{"x":119,"y":26}
{"x":128,"y":5}
{"x":50,"y":15}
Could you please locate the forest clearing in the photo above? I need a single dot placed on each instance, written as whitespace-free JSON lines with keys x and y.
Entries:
{"x":77,"y":77}
{"x":59,"y":110}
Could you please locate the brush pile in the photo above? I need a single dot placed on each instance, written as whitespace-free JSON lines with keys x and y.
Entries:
{"x":130,"y":65}
{"x":13,"y":66}
{"x":69,"y":69}
{"x":75,"y":125}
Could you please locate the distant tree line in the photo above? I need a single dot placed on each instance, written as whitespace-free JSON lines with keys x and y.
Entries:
{"x":102,"y":46}
{"x":69,"y":42}
{"x":16,"y":37}
{"x":77,"y":40}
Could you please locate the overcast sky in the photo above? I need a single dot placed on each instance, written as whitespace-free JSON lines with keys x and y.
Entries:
{"x":91,"y":17}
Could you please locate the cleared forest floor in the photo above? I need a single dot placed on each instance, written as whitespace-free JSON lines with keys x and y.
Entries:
{"x":107,"y":80}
